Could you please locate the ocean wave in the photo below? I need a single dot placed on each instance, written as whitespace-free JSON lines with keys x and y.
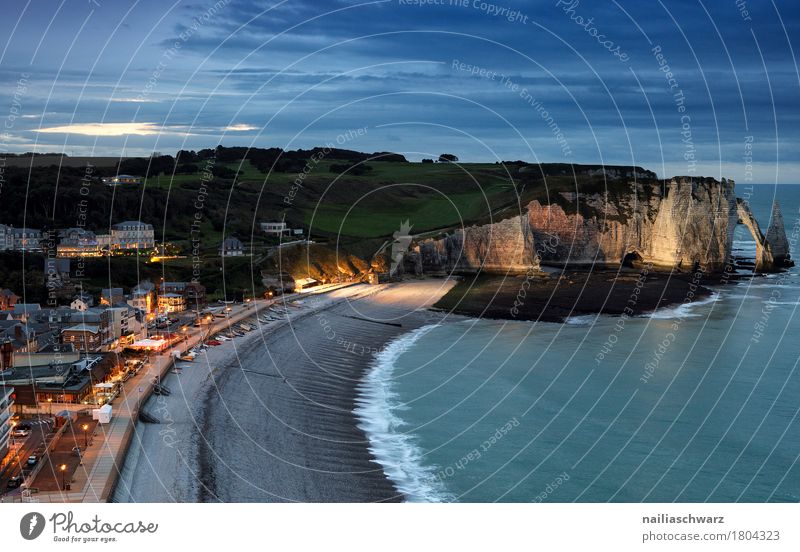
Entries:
{"x":581,"y":320}
{"x":395,"y":450}
{"x":684,"y":310}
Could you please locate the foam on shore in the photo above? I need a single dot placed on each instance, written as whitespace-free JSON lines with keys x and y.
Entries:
{"x":378,"y":408}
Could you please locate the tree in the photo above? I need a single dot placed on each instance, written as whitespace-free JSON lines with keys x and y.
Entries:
{"x":447,"y":158}
{"x":427,"y":160}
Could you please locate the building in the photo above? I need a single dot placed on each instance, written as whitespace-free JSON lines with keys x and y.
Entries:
{"x":6,"y":241}
{"x":27,"y":336}
{"x":193,"y":292}
{"x":78,"y":242}
{"x":111,"y":296}
{"x":20,"y":239}
{"x":70,"y":382}
{"x":278,"y":283}
{"x":143,"y":297}
{"x":56,"y":271}
{"x":120,"y":325}
{"x":103,"y":242}
{"x":6,"y":402}
{"x":132,"y":234}
{"x":82,"y":302}
{"x":231,"y":247}
{"x":8,"y":299}
{"x":54,"y":354}
{"x":24,"y":311}
{"x":84,"y":337}
{"x":121,"y":179}
{"x":171,"y":302}
{"x":274,"y":228}
{"x":304,"y":283}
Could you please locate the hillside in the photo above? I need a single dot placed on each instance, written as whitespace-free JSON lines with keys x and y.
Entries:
{"x":348,"y":202}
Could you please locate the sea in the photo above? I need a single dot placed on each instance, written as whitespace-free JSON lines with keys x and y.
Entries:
{"x":691,"y":403}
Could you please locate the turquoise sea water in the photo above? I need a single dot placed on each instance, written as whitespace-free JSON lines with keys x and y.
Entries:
{"x":697,"y":403}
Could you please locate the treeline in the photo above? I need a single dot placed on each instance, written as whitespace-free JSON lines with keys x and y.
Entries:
{"x":49,"y":199}
{"x":264,"y":159}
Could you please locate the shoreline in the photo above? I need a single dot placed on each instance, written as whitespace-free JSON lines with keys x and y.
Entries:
{"x":270,"y":416}
{"x":281,"y":414}
{"x":561,"y":295}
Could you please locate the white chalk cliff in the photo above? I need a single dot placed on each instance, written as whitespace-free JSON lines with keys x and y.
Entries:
{"x":678,"y":224}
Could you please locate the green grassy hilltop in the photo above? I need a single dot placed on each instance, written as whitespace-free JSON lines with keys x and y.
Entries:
{"x":347,"y":202}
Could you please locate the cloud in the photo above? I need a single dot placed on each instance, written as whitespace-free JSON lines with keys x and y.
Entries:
{"x":239,"y":127}
{"x":105,"y":129}
{"x":133,"y":100}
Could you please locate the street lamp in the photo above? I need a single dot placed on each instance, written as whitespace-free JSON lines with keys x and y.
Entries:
{"x":85,"y":436}
{"x":64,"y":476}
{"x":50,"y":406}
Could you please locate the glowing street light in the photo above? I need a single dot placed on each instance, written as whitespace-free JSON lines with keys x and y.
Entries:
{"x":50,"y":406}
{"x":85,"y":435}
{"x":63,"y":469}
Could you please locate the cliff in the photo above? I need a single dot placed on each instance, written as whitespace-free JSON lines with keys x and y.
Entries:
{"x":776,"y":238}
{"x":678,"y":224}
{"x":506,"y":246}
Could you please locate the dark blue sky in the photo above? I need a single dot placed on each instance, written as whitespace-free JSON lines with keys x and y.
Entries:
{"x":105,"y":78}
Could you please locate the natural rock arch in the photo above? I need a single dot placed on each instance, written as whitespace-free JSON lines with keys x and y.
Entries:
{"x":632,"y":259}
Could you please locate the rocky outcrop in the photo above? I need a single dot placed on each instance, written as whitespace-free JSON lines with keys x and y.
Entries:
{"x":502,"y":247}
{"x":683,"y":224}
{"x":764,"y":259}
{"x":776,"y":238}
{"x":676,"y":224}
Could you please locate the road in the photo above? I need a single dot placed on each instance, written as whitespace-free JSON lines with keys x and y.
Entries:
{"x":32,"y":444}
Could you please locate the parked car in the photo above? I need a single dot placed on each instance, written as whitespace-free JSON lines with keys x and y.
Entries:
{"x":32,"y":460}
{"x":14,"y":482}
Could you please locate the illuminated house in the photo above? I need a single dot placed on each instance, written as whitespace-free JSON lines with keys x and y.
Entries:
{"x":304,"y":283}
{"x":132,"y":234}
{"x":84,"y":337}
{"x":6,"y":401}
{"x":143,"y":297}
{"x":122,"y":179}
{"x":111,"y":296}
{"x":193,"y":292}
{"x":78,"y":242}
{"x":171,"y":302}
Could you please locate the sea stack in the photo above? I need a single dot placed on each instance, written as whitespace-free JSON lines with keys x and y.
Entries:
{"x":776,"y":238}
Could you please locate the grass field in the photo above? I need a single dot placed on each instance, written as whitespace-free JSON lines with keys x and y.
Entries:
{"x":345,"y":214}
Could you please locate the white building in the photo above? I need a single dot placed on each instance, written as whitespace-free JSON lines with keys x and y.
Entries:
{"x":274,"y":228}
{"x":5,"y":416}
{"x":20,"y":239}
{"x":132,"y":234}
{"x":78,"y":242}
{"x":231,"y":247}
{"x":82,"y":302}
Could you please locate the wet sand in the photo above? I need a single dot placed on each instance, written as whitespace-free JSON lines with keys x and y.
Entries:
{"x":269,"y":416}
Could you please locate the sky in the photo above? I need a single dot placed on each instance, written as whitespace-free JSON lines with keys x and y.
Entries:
{"x":681,"y":87}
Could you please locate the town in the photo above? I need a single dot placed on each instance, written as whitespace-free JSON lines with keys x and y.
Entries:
{"x":63,"y":364}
